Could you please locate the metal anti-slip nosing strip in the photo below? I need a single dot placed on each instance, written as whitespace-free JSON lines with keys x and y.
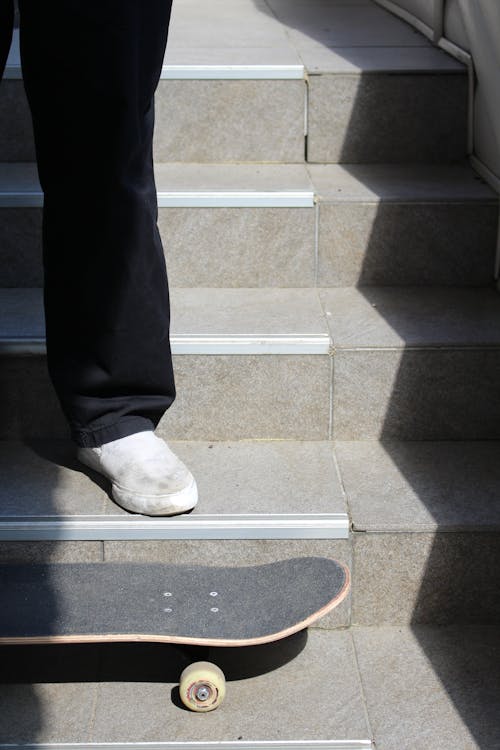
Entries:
{"x":240,"y":72}
{"x":191,"y":199}
{"x":243,"y":345}
{"x":209,"y":72}
{"x":91,"y":528}
{"x":209,"y":745}
{"x":236,"y":199}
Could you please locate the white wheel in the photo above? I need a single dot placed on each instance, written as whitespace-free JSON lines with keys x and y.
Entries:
{"x":202,"y":686}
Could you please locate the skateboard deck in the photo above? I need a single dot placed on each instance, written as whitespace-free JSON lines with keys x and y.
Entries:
{"x":198,"y":605}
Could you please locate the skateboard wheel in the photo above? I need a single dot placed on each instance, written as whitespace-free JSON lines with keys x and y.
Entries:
{"x":202,"y":686}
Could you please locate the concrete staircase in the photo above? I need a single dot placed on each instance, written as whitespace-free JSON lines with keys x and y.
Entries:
{"x":336,"y":343}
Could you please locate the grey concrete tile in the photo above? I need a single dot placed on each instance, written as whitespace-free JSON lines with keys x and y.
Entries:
{"x":412,"y":486}
{"x":327,"y":658}
{"x":212,"y":400}
{"x":346,"y":25}
{"x":407,"y":243}
{"x":211,"y":121}
{"x":441,"y":578}
{"x":230,"y":247}
{"x":260,"y":54}
{"x":21,"y":313}
{"x":46,"y":712}
{"x":246,"y":311}
{"x":20,"y":247}
{"x":263,"y":477}
{"x":237,"y":552}
{"x":427,"y":394}
{"x":16,"y":134}
{"x":399,"y":183}
{"x":369,"y":318}
{"x":227,"y":24}
{"x":45,"y":478}
{"x":431,"y":687}
{"x":348,"y":125}
{"x":322,"y":58}
{"x":228,"y":177}
{"x":289,"y":398}
{"x":53,"y":552}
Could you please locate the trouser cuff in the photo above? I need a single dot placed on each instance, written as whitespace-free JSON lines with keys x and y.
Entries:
{"x":92,"y":438}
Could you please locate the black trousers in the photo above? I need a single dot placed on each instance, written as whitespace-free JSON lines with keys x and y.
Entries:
{"x":90,"y":70}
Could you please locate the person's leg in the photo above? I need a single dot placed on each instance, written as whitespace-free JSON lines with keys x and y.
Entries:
{"x":90,"y":70}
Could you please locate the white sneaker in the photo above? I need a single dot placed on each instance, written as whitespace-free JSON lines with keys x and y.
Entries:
{"x":146,"y":476}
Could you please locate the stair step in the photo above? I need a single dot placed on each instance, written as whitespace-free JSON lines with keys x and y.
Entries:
{"x":409,"y":364}
{"x":255,"y":716}
{"x":414,"y":363}
{"x":373,"y":224}
{"x":270,"y":343}
{"x":426,"y":530}
{"x":352,"y":684}
{"x":247,"y":77}
{"x":247,"y":490}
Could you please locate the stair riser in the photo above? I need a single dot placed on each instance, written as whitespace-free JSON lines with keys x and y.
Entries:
{"x":387,"y":118}
{"x":423,"y":120}
{"x":359,"y":243}
{"x":238,"y":552}
{"x":208,"y":247}
{"x":196,"y":121}
{"x":444,"y":578}
{"x":391,"y":244}
{"x":417,"y":394}
{"x":219,"y":397}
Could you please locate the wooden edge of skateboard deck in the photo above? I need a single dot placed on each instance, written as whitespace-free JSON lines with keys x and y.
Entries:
{"x":187,"y":641}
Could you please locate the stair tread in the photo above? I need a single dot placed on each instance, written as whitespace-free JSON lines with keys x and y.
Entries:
{"x":299,"y":669}
{"x":331,"y":183}
{"x":364,"y":318}
{"x":266,"y":478}
{"x":402,"y":317}
{"x":334,"y":39}
{"x":196,"y":312}
{"x":396,"y":486}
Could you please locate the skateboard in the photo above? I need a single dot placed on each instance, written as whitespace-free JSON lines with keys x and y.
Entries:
{"x":178,"y":604}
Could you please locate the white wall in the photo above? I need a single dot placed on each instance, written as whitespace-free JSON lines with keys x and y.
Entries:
{"x":474,"y":27}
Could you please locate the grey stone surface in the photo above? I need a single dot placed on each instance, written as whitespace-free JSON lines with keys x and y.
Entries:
{"x":229,"y":397}
{"x":399,"y":183}
{"x":237,"y":552}
{"x":47,"y":712}
{"x":231,"y":312}
{"x":263,"y":477}
{"x":371,"y":318}
{"x":371,"y":244}
{"x":345,"y":25}
{"x":21,"y":247}
{"x":348,"y":124}
{"x":53,"y":552}
{"x":174,"y":177}
{"x":413,"y":486}
{"x":418,"y":394}
{"x":289,"y":398}
{"x":431,"y":687}
{"x":319,"y":58}
{"x":45,"y":478}
{"x":210,"y":121}
{"x":16,"y":134}
{"x":239,"y":247}
{"x":327,"y":658}
{"x":441,"y":578}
